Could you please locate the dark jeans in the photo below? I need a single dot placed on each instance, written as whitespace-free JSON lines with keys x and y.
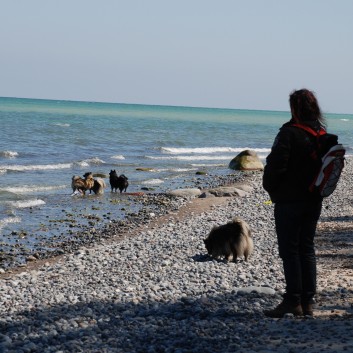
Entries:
{"x":295,"y":226}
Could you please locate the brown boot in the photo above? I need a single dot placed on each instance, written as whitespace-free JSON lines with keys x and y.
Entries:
{"x":307,"y":309}
{"x":284,"y":308}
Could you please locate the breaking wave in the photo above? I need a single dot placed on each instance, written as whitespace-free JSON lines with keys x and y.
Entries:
{"x":153,"y":182}
{"x":31,"y":167}
{"x":118,"y":157}
{"x":4,"y":222}
{"x":62,"y":124}
{"x":27,"y":203}
{"x":204,"y":150}
{"x":189,"y":158}
{"x":25,"y":189}
{"x":8,"y":154}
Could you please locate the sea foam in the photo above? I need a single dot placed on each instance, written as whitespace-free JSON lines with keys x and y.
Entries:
{"x":153,"y":182}
{"x":208,"y":165}
{"x":88,"y":162}
{"x":32,"y":167}
{"x":118,"y":157}
{"x":205,"y":150}
{"x":9,"y":154}
{"x":22,"y":168}
{"x":9,"y":220}
{"x":189,"y":158}
{"x":62,"y":124}
{"x":27,"y":203}
{"x":25,"y":189}
{"x":176,"y":170}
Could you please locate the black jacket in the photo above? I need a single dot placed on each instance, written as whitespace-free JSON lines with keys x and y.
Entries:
{"x":290,"y":167}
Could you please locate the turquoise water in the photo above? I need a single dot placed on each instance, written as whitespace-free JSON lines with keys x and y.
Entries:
{"x":45,"y":142}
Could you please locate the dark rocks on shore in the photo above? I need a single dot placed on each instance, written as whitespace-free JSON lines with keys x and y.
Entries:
{"x":143,"y":169}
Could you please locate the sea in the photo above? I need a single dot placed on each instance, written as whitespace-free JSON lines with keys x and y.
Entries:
{"x":43,"y":143}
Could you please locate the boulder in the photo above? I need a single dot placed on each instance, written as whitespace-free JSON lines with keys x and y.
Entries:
{"x":227,"y":191}
{"x":246,"y":160}
{"x":185,"y":192}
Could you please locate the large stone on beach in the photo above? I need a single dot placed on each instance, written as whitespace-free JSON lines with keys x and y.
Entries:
{"x":185,"y":192}
{"x":226,"y":191}
{"x":246,"y":160}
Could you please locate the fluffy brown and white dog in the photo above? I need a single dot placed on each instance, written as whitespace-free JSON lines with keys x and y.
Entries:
{"x":98,"y":186}
{"x":230,"y":240}
{"x":88,"y":183}
{"x":79,"y":184}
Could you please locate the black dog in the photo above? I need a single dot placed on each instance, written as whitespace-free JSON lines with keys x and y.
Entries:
{"x":118,"y":182}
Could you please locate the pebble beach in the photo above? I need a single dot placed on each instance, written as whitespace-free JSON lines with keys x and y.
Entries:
{"x":153,"y":288}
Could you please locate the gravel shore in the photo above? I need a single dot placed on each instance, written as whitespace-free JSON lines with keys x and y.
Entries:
{"x":156,"y":290}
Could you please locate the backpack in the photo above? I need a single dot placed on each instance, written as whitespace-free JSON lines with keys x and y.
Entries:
{"x":331,"y":154}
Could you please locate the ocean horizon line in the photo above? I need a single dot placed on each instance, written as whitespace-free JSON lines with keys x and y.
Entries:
{"x":166,"y":105}
{"x":147,"y":104}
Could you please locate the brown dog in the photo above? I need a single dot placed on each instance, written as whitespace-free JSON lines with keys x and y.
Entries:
{"x":82,"y":185}
{"x":230,"y":240}
{"x":98,"y":186}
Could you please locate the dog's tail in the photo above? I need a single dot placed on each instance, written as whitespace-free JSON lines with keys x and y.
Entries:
{"x":245,"y":228}
{"x":101,"y":184}
{"x":248,"y":248}
{"x":245,"y":244}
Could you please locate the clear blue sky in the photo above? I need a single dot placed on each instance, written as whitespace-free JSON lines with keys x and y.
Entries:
{"x":227,"y":53}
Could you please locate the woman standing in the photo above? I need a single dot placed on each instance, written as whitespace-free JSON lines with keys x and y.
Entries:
{"x":288,"y":173}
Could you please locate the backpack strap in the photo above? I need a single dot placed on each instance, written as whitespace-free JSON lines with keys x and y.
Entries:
{"x":310,"y":130}
{"x":316,"y":153}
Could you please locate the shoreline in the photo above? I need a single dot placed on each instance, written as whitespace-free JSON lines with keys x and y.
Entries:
{"x":156,"y":288}
{"x":97,"y":220}
{"x":187,"y":209}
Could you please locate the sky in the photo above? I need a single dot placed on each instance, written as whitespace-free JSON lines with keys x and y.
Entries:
{"x":243,"y":54}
